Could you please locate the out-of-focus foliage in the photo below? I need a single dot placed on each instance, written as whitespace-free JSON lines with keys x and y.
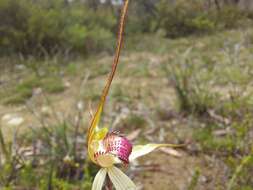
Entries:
{"x":141,"y":16}
{"x":53,"y":26}
{"x":183,"y":18}
{"x":47,"y":27}
{"x":59,"y":161}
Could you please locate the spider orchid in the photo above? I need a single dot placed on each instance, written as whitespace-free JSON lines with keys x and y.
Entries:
{"x":109,"y":148}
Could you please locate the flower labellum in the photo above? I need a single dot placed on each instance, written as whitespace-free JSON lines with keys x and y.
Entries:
{"x":113,"y":148}
{"x":119,"y":146}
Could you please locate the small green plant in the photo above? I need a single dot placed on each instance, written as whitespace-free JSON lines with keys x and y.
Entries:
{"x":194,"y":180}
{"x":52,"y":85}
{"x":72,"y":69}
{"x":20,"y":93}
{"x":246,"y":161}
{"x":50,"y":157}
{"x":192,"y":91}
{"x":211,"y":143}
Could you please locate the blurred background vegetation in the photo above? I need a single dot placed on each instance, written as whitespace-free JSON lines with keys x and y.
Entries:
{"x":56,"y":54}
{"x":41,"y":28}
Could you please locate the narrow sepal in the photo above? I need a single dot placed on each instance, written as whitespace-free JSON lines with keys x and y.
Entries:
{"x":120,"y":180}
{"x":141,"y":150}
{"x":99,"y":179}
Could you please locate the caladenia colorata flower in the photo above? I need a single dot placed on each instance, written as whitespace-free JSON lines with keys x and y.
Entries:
{"x":110,"y":148}
{"x":107,"y":149}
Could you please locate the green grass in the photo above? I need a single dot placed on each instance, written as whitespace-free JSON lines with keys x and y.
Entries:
{"x":71,"y":69}
{"x":20,"y":93}
{"x":52,"y":85}
{"x":194,"y":179}
{"x":49,"y":168}
{"x":211,"y":143}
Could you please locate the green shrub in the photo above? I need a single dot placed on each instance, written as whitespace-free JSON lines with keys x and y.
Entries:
{"x":193,"y":94}
{"x":52,"y":85}
{"x":45,"y":28}
{"x":230,"y":17}
{"x":48,"y":27}
{"x":203,"y":24}
{"x":20,"y":93}
{"x":141,"y":17}
{"x":13,"y":25}
{"x":183,"y":18}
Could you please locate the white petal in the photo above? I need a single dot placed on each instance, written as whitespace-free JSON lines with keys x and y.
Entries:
{"x":120,"y":180}
{"x":141,"y":150}
{"x":99,"y":179}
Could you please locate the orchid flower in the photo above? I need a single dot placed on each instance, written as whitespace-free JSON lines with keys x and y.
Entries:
{"x":109,"y":148}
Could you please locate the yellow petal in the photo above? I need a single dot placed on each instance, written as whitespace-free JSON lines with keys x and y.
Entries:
{"x":141,"y":150}
{"x":95,"y":122}
{"x":101,"y":134}
{"x":99,"y":179}
{"x":91,"y":131}
{"x":120,"y":180}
